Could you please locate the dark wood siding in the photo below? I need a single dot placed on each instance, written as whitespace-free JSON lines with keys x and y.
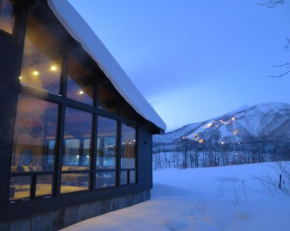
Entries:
{"x":145,"y":156}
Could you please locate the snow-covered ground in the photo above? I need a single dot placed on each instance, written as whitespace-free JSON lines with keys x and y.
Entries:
{"x":205,"y":199}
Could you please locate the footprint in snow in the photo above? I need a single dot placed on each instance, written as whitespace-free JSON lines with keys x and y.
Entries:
{"x":177,"y":224}
{"x":243,"y":216}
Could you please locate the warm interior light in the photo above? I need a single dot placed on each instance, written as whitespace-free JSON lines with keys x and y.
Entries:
{"x":35,"y":73}
{"x":20,"y":77}
{"x":81,"y":92}
{"x":53,"y":68}
{"x":200,"y":141}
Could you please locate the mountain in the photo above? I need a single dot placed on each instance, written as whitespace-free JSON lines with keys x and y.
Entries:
{"x":267,"y":121}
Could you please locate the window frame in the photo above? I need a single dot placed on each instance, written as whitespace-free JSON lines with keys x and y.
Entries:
{"x":128,"y":170}
{"x":62,"y":101}
{"x":18,"y":12}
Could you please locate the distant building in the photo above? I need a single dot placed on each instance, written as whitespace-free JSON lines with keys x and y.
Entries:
{"x":75,"y":133}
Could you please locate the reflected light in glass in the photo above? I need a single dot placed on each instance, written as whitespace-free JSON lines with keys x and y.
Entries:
{"x":35,"y":73}
{"x":53,"y":68}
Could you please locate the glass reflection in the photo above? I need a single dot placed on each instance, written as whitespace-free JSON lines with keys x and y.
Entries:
{"x":19,"y":187}
{"x":105,"y":179}
{"x":107,"y":100}
{"x":44,"y":185}
{"x":123,"y":177}
{"x":7,"y":15}
{"x":41,"y":65}
{"x":35,"y":134}
{"x":128,"y":150}
{"x":132,"y":177}
{"x":106,"y":143}
{"x":77,"y":140}
{"x":79,"y":83}
{"x":74,"y":182}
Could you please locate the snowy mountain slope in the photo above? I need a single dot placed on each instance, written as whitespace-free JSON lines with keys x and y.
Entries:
{"x":268,"y":121}
{"x":176,"y":134}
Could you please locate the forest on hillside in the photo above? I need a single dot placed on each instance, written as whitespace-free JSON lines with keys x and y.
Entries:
{"x":188,"y":153}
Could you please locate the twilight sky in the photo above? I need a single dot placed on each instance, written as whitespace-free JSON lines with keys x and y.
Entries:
{"x":194,"y":60}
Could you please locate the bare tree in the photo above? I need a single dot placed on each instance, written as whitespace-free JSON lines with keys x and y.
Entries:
{"x":272,"y":3}
{"x":235,"y":190}
{"x":282,"y":66}
{"x":277,"y":185}
{"x":285,"y":66}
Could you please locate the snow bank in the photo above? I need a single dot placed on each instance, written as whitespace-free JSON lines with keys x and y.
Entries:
{"x":81,"y":32}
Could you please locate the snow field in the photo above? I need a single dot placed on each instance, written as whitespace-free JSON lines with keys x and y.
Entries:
{"x":202,"y":199}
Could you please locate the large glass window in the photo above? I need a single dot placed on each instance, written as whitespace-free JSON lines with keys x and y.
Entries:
{"x":35,"y":134}
{"x":74,"y":182}
{"x":19,"y":188}
{"x":132,"y":177}
{"x":77,"y":140}
{"x":105,"y":179}
{"x":41,"y":65}
{"x":39,"y":137}
{"x":128,"y":150}
{"x":7,"y":15}
{"x":107,"y":100}
{"x":106,"y":143}
{"x":44,"y":185}
{"x":123,"y":177}
{"x":79,"y":83}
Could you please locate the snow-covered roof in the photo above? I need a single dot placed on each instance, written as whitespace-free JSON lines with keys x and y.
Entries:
{"x":78,"y":28}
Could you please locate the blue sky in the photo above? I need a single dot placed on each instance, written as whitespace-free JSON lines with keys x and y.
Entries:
{"x":194,"y":60}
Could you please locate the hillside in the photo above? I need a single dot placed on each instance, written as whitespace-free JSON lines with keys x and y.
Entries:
{"x":268,"y":121}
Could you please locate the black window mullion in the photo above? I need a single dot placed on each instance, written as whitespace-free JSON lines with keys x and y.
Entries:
{"x":81,"y":152}
{"x":94,"y":151}
{"x":118,"y":152}
{"x":94,"y":135}
{"x":33,"y":186}
{"x":60,"y":133}
{"x":59,"y":150}
{"x":136,"y":152}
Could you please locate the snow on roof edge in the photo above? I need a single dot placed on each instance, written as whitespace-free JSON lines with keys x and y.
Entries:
{"x":78,"y":28}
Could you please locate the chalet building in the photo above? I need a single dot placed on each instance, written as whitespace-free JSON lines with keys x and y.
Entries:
{"x":75,"y":133}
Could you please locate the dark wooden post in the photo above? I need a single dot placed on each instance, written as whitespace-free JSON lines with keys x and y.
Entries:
{"x":280,"y":182}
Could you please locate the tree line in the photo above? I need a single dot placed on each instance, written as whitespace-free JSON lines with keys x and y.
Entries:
{"x":189,"y":153}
